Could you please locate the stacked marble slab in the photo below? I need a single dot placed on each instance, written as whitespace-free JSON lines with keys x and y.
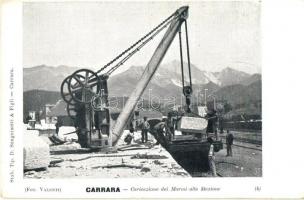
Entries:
{"x":36,"y":152}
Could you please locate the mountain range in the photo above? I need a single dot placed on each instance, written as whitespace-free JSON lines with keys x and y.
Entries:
{"x":237,"y":87}
{"x":167,"y":77}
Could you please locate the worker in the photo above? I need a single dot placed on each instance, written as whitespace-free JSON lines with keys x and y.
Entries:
{"x":211,"y":156}
{"x":159,"y":132}
{"x":129,"y":137}
{"x":28,"y":118}
{"x":144,"y":130}
{"x":58,"y":125}
{"x":211,"y":126}
{"x":57,"y":128}
{"x":229,"y":142}
{"x":132,"y":128}
{"x":171,"y":125}
{"x":221,"y":124}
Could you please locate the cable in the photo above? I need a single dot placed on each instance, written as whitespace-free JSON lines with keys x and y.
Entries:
{"x":188,"y":53}
{"x":137,"y":49}
{"x":181,"y":56}
{"x":136,"y":43}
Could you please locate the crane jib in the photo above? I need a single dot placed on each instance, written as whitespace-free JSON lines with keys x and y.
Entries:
{"x":86,"y":92}
{"x":153,"y":64}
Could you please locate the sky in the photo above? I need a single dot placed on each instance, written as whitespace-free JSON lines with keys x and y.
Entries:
{"x":89,"y":34}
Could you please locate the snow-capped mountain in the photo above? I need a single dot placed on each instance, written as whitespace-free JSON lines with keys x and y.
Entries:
{"x":168,"y":77}
{"x":166,"y":81}
{"x":239,"y":88}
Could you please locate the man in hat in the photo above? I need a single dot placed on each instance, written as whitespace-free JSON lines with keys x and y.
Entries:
{"x":229,"y":142}
{"x":144,"y":130}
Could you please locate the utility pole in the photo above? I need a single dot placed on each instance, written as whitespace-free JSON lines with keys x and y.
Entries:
{"x":206,"y":96}
{"x":214,"y":101}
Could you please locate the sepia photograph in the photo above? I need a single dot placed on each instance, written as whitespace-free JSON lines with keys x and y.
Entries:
{"x":153,"y":89}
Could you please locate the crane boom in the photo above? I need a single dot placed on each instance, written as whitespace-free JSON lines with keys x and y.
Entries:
{"x":153,"y":64}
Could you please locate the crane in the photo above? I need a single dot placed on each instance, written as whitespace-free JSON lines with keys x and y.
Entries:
{"x":180,"y":16}
{"x":86,"y":94}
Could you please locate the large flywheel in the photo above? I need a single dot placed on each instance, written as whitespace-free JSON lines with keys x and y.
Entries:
{"x":65,"y":94}
{"x":82,"y":85}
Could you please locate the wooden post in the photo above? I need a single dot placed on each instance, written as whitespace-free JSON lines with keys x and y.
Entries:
{"x":182,"y":13}
{"x":88,"y":114}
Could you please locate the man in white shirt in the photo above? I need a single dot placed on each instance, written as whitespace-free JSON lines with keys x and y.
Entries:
{"x":211,"y":157}
{"x":144,"y":131}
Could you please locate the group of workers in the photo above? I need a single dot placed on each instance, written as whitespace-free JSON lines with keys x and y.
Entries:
{"x":211,"y":128}
{"x":145,"y":126}
{"x":211,"y":155}
{"x":213,"y":120}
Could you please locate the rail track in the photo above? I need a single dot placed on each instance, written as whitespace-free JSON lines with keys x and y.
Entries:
{"x":243,"y":141}
{"x":246,"y":147}
{"x":247,"y":140}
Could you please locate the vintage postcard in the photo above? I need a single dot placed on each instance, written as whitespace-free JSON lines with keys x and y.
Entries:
{"x":125,"y":99}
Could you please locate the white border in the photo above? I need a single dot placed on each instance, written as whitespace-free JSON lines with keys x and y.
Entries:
{"x":283,"y":52}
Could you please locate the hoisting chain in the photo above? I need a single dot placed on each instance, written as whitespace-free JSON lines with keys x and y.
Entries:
{"x":187,"y":90}
{"x":135,"y":44}
{"x":188,"y":55}
{"x":137,"y":49}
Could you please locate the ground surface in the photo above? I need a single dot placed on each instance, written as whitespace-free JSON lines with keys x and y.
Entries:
{"x":137,"y":160}
{"x":243,"y":163}
{"x":147,"y":161}
{"x":246,"y":160}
